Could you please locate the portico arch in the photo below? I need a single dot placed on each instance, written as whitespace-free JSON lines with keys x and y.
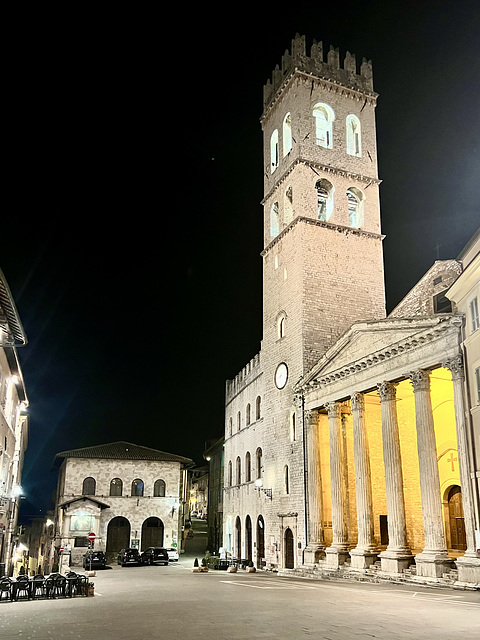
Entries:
{"x":152,"y":533}
{"x":118,"y":534}
{"x":289,"y":549}
{"x":260,"y":541}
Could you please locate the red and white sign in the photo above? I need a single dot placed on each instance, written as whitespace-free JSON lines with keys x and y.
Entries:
{"x":91,"y":537}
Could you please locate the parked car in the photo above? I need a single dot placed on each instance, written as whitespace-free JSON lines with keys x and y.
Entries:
{"x":155,"y":554}
{"x":94,"y":560}
{"x":172,"y":554}
{"x":129,"y":556}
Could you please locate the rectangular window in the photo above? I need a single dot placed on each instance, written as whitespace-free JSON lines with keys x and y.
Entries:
{"x":474,"y":314}
{"x":477,"y":382}
{"x":441,"y":304}
{"x":81,"y":542}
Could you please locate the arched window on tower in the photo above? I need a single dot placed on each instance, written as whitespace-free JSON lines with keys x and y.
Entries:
{"x":230,"y":478}
{"x":286,"y":481}
{"x":325,"y":192}
{"x":89,"y":486}
{"x":258,"y":408}
{"x":287,"y":134}
{"x":239,"y":471}
{"x":354,"y":138}
{"x":355,"y":207}
{"x":230,"y":426}
{"x":248,"y":467}
{"x":288,"y":205}
{"x":247,"y":415}
{"x":239,"y":421}
{"x":274,"y":151}
{"x":259,"y":456}
{"x":324,"y":118}
{"x":281,"y":324}
{"x":274,"y":220}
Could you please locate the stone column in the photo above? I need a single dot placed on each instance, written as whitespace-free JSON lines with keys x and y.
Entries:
{"x":338,"y":551}
{"x":365,"y":553}
{"x":315,"y":549}
{"x":433,"y":562}
{"x":469,"y":565}
{"x":397,"y":556}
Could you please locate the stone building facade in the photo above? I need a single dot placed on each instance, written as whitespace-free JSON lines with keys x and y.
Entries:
{"x":360,"y":443}
{"x":127,"y":495}
{"x":13,"y":424}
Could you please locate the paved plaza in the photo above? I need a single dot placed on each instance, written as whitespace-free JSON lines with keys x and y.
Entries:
{"x":172,"y":603}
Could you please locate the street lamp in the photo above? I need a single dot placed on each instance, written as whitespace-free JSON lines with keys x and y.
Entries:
{"x":259,"y":487}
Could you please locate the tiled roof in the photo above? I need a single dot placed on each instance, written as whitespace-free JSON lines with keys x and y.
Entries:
{"x":121,"y":451}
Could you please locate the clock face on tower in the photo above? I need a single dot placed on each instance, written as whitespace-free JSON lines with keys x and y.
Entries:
{"x":281,"y":375}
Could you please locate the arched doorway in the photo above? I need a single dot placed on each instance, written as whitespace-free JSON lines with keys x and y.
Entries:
{"x":248,"y":538}
{"x":152,"y":533}
{"x":289,"y":550}
{"x":118,"y":534}
{"x":458,"y":538}
{"x":260,"y":542}
{"x":238,"y":538}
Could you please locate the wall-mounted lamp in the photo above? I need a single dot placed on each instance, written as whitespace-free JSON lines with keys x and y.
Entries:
{"x":259,"y":487}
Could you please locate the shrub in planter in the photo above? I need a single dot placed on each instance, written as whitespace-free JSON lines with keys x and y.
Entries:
{"x":55,"y":567}
{"x":250,"y":567}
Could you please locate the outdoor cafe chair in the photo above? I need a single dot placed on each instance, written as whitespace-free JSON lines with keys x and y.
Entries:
{"x":60,"y":585}
{"x":73,"y":585}
{"x":82,"y":585}
{"x":49,"y":584}
{"x":38,"y":586}
{"x":22,"y":585}
{"x":6,"y":588}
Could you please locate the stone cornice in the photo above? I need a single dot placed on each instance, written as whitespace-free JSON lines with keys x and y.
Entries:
{"x":327,"y":168}
{"x":328,"y":84}
{"x":431,"y":333}
{"x":319,"y":223}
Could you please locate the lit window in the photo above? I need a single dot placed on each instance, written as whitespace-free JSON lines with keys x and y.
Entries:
{"x":324,"y":199}
{"x":353,"y":136}
{"x":474,"y":314}
{"x":355,"y":207}
{"x":324,"y":118}
{"x":137,"y":487}
{"x":287,"y":134}
{"x":274,"y":151}
{"x":274,"y":221}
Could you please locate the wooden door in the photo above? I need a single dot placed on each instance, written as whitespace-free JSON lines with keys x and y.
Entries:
{"x":289,"y":550}
{"x":456,"y":520}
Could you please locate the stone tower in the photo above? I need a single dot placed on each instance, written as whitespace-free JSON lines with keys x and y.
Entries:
{"x":322,"y":256}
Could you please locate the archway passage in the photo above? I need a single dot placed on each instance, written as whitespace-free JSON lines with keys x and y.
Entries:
{"x":152,"y":533}
{"x":289,"y":550}
{"x":248,"y":538}
{"x":458,"y":536}
{"x":118,"y":534}
{"x":260,"y":542}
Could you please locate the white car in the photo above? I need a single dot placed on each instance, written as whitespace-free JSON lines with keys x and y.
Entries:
{"x":172,"y":554}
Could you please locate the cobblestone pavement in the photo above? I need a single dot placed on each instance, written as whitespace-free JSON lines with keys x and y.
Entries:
{"x":172,"y":603}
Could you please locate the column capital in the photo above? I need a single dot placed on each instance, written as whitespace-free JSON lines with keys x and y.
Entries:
{"x":455,"y":365}
{"x":334,"y":409}
{"x":311,"y":416}
{"x":386,"y":391}
{"x":358,"y":401}
{"x":420,"y":380}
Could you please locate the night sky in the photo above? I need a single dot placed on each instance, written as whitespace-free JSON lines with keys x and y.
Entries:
{"x":134,"y":219}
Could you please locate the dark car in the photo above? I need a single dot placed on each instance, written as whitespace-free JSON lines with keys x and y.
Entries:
{"x":155,"y":554}
{"x":129,"y":556}
{"x":94,"y":560}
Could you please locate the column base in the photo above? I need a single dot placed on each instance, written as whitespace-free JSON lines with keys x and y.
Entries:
{"x":433,"y":564}
{"x":363,"y":558}
{"x":335,"y":557}
{"x":468,"y":570}
{"x":313,"y":553}
{"x":395,"y":561}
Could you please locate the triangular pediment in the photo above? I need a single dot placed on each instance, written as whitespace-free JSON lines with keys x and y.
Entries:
{"x":366,"y":340}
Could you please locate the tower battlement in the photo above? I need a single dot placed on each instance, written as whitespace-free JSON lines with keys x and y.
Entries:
{"x":316,"y":65}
